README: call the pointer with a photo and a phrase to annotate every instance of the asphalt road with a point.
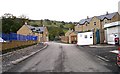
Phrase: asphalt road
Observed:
(103, 52)
(59, 57)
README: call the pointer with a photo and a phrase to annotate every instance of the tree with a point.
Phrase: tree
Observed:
(23, 16)
(61, 32)
(8, 15)
(61, 26)
(41, 22)
(11, 24)
(55, 32)
(63, 22)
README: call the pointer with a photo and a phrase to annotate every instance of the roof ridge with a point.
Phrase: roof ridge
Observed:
(108, 13)
(37, 29)
(108, 16)
(101, 17)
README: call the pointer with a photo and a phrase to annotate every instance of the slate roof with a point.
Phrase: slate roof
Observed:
(76, 32)
(68, 32)
(107, 16)
(101, 17)
(82, 31)
(85, 20)
(36, 29)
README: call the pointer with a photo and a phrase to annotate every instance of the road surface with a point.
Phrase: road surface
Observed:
(59, 57)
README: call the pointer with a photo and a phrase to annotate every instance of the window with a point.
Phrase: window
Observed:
(41, 32)
(80, 35)
(91, 36)
(38, 29)
(94, 23)
(86, 24)
(115, 35)
(85, 36)
(105, 22)
(33, 29)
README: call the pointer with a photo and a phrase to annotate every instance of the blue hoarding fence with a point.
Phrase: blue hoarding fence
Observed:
(14, 36)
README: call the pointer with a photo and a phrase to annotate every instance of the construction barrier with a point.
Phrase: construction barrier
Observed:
(18, 37)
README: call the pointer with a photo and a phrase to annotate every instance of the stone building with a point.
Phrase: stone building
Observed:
(96, 24)
(40, 32)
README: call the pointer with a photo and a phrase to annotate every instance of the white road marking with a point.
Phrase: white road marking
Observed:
(115, 51)
(103, 58)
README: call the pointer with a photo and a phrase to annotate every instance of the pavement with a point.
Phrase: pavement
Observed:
(12, 58)
(59, 57)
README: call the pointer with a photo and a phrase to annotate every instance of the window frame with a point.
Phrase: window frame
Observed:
(95, 23)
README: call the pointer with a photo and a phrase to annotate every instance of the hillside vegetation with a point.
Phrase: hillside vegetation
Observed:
(12, 23)
(55, 28)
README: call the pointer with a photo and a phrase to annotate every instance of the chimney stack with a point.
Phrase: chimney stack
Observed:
(25, 23)
(87, 17)
(107, 13)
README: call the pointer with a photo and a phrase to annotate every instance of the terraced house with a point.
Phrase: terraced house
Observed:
(40, 32)
(96, 24)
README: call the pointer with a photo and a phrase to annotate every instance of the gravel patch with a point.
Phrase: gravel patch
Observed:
(7, 58)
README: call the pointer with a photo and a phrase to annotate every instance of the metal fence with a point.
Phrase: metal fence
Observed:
(14, 36)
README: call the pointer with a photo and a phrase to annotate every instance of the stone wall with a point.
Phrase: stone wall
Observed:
(14, 44)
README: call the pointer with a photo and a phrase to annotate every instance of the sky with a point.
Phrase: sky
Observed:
(59, 10)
